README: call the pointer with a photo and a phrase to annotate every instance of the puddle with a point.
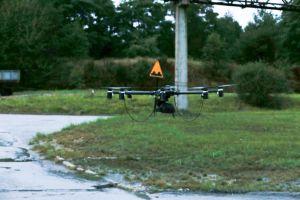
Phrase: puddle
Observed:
(14, 154)
(5, 168)
(4, 143)
(6, 139)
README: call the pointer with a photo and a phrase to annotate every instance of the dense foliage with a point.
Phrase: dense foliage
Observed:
(291, 36)
(34, 36)
(41, 36)
(258, 84)
(259, 41)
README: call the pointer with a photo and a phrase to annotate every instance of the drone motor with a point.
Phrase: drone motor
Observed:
(122, 94)
(109, 94)
(220, 92)
(204, 95)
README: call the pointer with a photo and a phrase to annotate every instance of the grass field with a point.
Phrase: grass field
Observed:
(232, 147)
(81, 102)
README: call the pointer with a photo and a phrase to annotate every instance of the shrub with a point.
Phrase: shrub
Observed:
(259, 84)
(90, 74)
(134, 72)
(296, 78)
(75, 79)
(218, 71)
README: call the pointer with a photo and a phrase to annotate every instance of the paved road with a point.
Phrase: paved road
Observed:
(24, 176)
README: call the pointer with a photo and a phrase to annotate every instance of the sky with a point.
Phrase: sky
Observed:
(243, 16)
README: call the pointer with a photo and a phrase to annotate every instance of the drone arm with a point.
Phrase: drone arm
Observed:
(203, 93)
(140, 92)
(128, 93)
(189, 92)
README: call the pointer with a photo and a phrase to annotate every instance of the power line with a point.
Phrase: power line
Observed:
(284, 5)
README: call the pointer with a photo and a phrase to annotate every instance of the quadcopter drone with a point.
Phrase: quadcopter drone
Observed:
(163, 94)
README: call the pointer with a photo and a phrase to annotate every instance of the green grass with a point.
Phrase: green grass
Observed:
(80, 102)
(72, 102)
(232, 147)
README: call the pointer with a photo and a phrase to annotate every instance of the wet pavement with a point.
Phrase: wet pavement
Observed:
(24, 176)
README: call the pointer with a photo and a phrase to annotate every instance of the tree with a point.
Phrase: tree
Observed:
(166, 35)
(215, 57)
(290, 46)
(214, 48)
(137, 22)
(145, 47)
(200, 19)
(202, 22)
(97, 19)
(229, 31)
(33, 38)
(259, 41)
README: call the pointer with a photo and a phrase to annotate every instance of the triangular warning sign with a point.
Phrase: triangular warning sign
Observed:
(156, 71)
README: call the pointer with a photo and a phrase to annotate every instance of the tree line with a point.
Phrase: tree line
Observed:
(36, 36)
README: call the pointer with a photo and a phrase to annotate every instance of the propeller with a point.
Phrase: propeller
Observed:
(206, 87)
(118, 88)
(169, 87)
(200, 88)
(227, 85)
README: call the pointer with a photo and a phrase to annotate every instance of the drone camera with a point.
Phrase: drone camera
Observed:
(109, 94)
(205, 95)
(163, 96)
(129, 96)
(220, 92)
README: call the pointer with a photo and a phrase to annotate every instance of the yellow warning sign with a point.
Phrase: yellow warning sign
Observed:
(156, 71)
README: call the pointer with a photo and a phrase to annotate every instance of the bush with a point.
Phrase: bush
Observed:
(259, 84)
(111, 72)
(88, 73)
(65, 75)
(296, 78)
(218, 71)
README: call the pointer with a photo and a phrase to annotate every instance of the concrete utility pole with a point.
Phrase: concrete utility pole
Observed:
(181, 54)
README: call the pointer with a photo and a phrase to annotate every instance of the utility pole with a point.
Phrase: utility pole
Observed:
(181, 52)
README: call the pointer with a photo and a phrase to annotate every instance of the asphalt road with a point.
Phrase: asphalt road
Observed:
(24, 176)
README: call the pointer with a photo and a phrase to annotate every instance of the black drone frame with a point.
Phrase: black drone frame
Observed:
(162, 95)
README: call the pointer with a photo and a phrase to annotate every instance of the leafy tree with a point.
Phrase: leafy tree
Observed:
(139, 21)
(33, 38)
(198, 28)
(229, 31)
(260, 39)
(214, 55)
(214, 48)
(290, 46)
(166, 35)
(97, 19)
(202, 22)
(145, 47)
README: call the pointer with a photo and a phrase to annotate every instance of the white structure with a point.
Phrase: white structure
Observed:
(181, 54)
